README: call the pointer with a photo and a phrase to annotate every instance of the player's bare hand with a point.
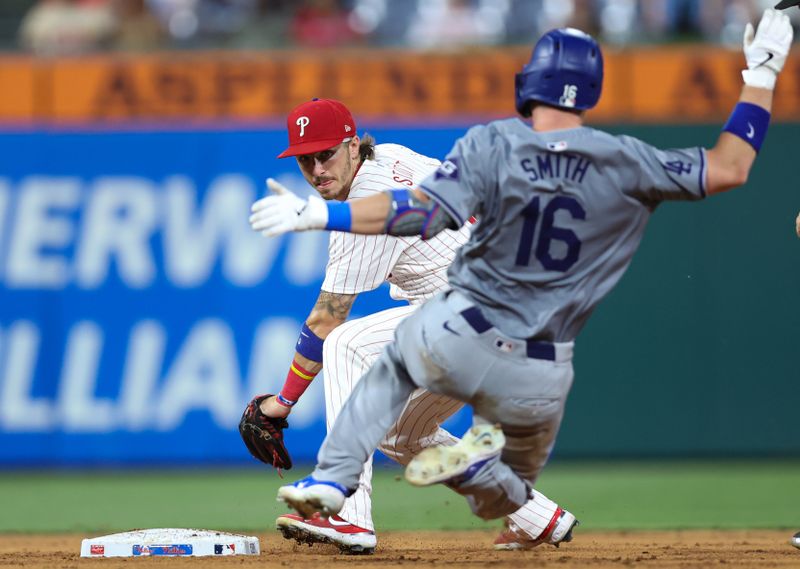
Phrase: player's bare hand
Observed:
(797, 224)
(282, 211)
(766, 49)
(271, 408)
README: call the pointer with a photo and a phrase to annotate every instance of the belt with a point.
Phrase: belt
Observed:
(535, 349)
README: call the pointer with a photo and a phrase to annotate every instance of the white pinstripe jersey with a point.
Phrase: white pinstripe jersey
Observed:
(416, 269)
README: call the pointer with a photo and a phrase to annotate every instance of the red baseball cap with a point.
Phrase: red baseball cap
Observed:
(318, 125)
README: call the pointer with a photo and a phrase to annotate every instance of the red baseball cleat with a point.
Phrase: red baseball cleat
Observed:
(347, 537)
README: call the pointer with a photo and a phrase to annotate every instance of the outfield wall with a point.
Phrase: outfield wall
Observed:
(138, 313)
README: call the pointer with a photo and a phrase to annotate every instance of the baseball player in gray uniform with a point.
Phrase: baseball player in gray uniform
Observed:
(561, 210)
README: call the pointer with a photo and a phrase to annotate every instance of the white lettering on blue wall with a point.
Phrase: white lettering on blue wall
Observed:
(66, 231)
(151, 392)
(41, 230)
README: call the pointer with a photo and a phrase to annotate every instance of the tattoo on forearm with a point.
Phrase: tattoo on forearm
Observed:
(337, 305)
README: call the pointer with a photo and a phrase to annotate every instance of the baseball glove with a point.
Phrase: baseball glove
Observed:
(263, 435)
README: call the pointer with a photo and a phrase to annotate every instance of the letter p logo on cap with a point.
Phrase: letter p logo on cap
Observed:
(302, 122)
(333, 122)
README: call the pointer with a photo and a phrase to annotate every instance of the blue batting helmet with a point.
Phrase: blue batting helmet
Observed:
(565, 71)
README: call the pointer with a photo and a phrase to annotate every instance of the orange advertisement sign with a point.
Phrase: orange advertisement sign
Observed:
(696, 84)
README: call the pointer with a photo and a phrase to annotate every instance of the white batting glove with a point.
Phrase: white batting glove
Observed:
(283, 211)
(766, 49)
(797, 224)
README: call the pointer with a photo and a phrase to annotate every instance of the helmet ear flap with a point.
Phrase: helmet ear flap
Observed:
(522, 102)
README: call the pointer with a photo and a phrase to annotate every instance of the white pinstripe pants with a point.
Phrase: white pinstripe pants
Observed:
(348, 352)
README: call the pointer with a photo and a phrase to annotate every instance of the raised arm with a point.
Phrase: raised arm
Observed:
(765, 50)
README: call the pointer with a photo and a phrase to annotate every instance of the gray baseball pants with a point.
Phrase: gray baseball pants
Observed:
(439, 349)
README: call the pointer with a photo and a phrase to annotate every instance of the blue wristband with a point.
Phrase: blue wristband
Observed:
(285, 402)
(339, 218)
(749, 122)
(309, 345)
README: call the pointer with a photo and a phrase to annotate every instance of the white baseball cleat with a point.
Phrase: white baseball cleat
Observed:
(347, 537)
(457, 463)
(309, 496)
(515, 538)
(795, 540)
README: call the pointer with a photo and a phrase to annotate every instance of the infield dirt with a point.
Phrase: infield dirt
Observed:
(675, 549)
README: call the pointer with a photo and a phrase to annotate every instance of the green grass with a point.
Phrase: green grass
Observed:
(757, 494)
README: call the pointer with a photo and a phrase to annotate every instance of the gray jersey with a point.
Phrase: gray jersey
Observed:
(560, 215)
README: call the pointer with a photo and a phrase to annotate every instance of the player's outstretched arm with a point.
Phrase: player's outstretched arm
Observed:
(396, 212)
(282, 212)
(765, 50)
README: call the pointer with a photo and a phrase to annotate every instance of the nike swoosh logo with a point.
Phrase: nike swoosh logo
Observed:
(770, 55)
(338, 523)
(446, 326)
(752, 132)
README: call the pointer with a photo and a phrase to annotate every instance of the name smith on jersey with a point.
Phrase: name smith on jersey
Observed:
(556, 165)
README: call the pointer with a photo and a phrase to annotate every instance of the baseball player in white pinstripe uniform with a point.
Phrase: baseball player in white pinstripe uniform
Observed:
(343, 167)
